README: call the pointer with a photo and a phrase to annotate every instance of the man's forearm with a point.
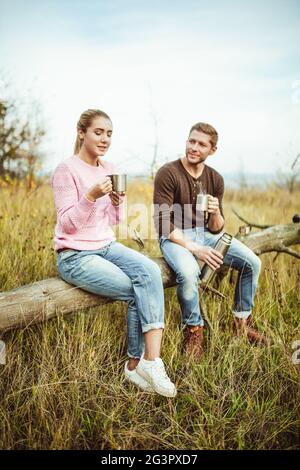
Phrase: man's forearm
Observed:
(203, 254)
(216, 222)
(178, 237)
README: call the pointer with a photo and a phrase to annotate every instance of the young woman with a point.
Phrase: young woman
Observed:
(88, 255)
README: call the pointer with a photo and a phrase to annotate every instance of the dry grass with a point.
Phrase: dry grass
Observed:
(63, 387)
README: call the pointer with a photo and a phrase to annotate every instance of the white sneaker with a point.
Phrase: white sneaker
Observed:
(137, 379)
(155, 374)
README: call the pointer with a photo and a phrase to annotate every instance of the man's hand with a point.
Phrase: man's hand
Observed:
(215, 221)
(116, 198)
(213, 205)
(208, 255)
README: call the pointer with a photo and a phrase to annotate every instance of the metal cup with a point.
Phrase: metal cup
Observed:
(202, 202)
(119, 183)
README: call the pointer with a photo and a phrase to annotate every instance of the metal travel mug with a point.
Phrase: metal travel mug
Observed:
(202, 202)
(119, 183)
(202, 205)
(222, 247)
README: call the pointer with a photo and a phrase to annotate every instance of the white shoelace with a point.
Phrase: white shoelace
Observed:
(160, 368)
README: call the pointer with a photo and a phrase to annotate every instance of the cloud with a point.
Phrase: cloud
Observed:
(184, 64)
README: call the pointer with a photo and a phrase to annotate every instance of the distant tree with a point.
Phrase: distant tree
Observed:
(154, 165)
(290, 179)
(241, 178)
(20, 139)
(155, 160)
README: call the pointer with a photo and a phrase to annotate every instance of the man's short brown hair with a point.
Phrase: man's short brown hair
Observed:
(206, 129)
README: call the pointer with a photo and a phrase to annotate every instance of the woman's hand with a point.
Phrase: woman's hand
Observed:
(100, 189)
(116, 198)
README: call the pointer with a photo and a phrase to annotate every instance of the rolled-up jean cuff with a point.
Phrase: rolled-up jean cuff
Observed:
(244, 314)
(196, 324)
(152, 326)
(133, 356)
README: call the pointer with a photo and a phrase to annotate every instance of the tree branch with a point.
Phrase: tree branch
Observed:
(290, 252)
(251, 224)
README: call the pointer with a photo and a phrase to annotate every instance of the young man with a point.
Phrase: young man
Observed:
(185, 237)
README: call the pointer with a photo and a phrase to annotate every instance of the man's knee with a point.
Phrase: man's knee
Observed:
(256, 263)
(252, 263)
(242, 257)
(188, 274)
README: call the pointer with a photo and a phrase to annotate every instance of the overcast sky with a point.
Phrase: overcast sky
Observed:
(234, 64)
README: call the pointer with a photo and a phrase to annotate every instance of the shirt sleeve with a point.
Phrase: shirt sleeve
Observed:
(72, 212)
(219, 193)
(163, 201)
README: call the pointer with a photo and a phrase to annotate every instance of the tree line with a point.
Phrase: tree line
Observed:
(20, 140)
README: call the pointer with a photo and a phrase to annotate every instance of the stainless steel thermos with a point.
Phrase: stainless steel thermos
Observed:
(222, 247)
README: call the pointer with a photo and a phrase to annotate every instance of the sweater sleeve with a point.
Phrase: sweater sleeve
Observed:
(115, 213)
(163, 200)
(72, 212)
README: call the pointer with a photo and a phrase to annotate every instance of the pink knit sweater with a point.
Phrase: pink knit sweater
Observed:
(82, 224)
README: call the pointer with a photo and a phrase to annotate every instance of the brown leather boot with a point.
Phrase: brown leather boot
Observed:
(193, 341)
(244, 326)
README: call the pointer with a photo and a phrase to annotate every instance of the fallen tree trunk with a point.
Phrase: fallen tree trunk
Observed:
(47, 298)
(276, 238)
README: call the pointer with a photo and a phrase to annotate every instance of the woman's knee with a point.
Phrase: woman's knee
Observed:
(151, 268)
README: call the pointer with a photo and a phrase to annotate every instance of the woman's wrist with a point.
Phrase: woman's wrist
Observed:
(90, 198)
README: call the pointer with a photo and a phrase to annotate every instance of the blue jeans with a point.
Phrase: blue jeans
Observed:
(187, 271)
(120, 273)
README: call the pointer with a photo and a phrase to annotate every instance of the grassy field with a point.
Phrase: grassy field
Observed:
(62, 386)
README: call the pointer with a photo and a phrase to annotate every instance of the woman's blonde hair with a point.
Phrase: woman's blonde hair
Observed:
(85, 121)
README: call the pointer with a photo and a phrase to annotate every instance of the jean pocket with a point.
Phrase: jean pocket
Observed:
(66, 254)
(162, 240)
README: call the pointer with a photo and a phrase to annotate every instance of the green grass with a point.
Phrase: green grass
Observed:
(63, 387)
